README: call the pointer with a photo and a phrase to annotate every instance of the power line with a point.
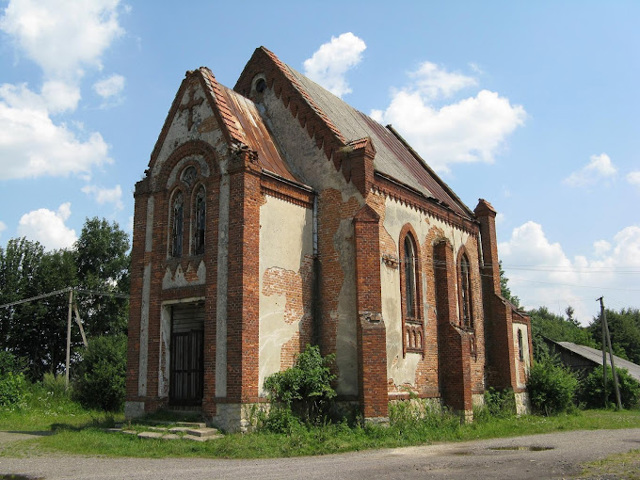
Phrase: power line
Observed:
(65, 290)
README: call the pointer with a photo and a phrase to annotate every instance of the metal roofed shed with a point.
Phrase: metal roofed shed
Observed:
(582, 358)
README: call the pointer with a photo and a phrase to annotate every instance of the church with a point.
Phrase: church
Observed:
(274, 215)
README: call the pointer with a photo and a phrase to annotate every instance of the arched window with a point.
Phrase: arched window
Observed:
(409, 278)
(520, 346)
(410, 295)
(466, 319)
(177, 225)
(199, 224)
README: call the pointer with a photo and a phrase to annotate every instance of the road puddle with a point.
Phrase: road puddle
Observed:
(528, 448)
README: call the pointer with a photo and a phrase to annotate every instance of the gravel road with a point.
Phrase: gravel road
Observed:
(556, 455)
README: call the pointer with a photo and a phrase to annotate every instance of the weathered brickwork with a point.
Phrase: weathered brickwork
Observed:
(308, 238)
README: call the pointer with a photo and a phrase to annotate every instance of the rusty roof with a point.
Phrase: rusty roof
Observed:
(394, 157)
(255, 134)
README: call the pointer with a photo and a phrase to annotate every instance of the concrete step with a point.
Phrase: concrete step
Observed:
(203, 432)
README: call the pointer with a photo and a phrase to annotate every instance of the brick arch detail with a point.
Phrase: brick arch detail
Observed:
(187, 149)
(413, 330)
(462, 252)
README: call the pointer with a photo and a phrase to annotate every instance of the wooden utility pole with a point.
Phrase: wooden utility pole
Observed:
(605, 330)
(67, 364)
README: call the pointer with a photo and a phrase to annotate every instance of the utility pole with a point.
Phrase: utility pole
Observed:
(605, 326)
(67, 364)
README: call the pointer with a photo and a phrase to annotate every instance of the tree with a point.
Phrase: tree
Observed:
(34, 331)
(624, 327)
(37, 331)
(103, 265)
(545, 324)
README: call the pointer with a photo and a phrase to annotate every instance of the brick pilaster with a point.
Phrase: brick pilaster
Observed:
(372, 346)
(454, 344)
(243, 299)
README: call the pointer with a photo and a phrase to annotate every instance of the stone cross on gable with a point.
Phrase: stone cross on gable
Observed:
(189, 106)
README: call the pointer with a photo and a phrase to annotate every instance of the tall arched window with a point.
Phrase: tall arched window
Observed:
(520, 346)
(409, 278)
(466, 319)
(199, 224)
(177, 225)
(413, 328)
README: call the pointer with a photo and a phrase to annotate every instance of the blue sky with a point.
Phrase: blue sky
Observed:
(531, 105)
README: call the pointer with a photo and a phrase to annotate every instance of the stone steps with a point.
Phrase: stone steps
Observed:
(195, 431)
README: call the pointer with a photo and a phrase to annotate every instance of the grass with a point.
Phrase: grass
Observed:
(79, 431)
(622, 466)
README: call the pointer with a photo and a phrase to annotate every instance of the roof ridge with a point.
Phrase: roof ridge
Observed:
(214, 92)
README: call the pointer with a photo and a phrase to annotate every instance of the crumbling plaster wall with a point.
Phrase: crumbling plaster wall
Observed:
(338, 203)
(286, 261)
(413, 370)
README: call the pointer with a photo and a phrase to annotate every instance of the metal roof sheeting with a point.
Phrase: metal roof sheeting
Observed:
(393, 157)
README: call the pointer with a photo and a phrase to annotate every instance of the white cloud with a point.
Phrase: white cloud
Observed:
(32, 145)
(470, 130)
(540, 272)
(63, 36)
(634, 178)
(599, 167)
(330, 62)
(110, 86)
(434, 82)
(59, 96)
(105, 195)
(48, 227)
(3, 227)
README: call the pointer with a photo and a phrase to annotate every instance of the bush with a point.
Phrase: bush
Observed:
(551, 387)
(591, 391)
(101, 374)
(499, 403)
(304, 389)
(12, 388)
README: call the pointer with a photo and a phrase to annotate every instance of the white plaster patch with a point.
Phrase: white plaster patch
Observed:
(144, 331)
(221, 294)
(286, 242)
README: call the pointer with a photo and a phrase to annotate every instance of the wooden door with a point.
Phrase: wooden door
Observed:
(187, 356)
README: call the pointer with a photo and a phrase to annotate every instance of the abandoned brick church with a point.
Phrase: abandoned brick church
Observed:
(275, 215)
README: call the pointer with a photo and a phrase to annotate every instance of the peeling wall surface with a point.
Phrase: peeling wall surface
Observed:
(286, 261)
(411, 369)
(338, 202)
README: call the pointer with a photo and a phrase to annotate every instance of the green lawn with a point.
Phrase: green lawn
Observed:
(78, 431)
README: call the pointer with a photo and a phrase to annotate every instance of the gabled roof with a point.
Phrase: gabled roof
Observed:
(595, 356)
(240, 121)
(334, 124)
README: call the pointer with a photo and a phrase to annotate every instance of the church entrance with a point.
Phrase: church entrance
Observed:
(187, 355)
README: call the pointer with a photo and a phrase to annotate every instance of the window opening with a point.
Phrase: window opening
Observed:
(200, 222)
(465, 292)
(520, 346)
(177, 225)
(412, 321)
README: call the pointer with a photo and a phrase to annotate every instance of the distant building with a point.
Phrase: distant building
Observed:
(584, 360)
(275, 215)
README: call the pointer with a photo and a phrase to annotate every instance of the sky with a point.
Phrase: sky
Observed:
(532, 106)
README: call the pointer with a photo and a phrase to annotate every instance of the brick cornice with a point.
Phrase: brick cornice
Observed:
(283, 189)
(404, 194)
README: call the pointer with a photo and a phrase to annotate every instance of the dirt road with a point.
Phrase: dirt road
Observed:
(556, 455)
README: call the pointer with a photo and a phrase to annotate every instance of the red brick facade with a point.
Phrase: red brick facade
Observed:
(400, 286)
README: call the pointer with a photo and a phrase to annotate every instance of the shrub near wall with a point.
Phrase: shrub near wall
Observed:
(551, 387)
(101, 374)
